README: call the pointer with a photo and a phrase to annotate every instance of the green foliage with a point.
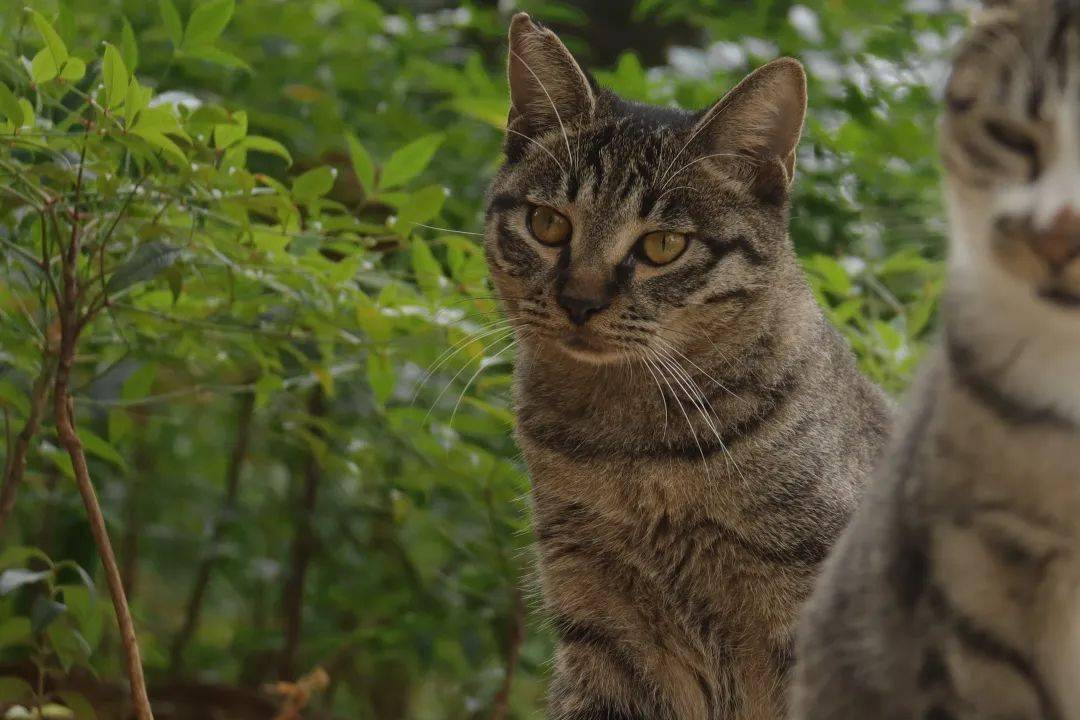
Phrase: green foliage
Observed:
(291, 377)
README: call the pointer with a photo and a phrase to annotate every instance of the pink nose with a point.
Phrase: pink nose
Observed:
(1059, 243)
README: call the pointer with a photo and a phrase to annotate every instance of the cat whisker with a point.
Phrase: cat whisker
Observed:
(485, 363)
(449, 230)
(671, 348)
(685, 167)
(539, 145)
(703, 406)
(458, 374)
(689, 424)
(487, 330)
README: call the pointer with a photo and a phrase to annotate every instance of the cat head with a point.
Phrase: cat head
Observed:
(1010, 144)
(613, 225)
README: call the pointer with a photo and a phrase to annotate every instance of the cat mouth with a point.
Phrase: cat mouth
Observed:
(1060, 297)
(586, 346)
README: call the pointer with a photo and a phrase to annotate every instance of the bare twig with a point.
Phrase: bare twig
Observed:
(228, 509)
(303, 542)
(515, 636)
(16, 461)
(70, 325)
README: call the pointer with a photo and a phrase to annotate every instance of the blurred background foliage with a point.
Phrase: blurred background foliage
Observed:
(292, 383)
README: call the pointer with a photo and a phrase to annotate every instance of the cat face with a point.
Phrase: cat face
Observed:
(1010, 143)
(614, 226)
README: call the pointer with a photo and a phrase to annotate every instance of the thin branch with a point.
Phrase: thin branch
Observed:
(64, 408)
(221, 523)
(303, 542)
(16, 459)
(515, 637)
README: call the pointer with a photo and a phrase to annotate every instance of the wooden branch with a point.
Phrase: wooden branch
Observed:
(228, 509)
(64, 409)
(16, 461)
(303, 545)
(515, 636)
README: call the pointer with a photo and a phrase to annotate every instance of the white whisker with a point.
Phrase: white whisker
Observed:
(558, 117)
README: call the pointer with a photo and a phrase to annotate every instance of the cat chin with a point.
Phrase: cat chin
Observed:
(586, 352)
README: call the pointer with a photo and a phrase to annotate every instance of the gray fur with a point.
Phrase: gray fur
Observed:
(955, 592)
(697, 447)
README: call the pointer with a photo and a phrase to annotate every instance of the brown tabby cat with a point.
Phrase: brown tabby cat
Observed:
(955, 592)
(696, 431)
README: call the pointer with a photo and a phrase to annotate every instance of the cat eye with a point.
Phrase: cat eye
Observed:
(548, 226)
(661, 247)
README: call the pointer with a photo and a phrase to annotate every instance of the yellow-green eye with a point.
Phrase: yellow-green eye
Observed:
(660, 248)
(549, 226)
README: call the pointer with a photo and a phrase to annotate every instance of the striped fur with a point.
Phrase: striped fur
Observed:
(698, 444)
(955, 592)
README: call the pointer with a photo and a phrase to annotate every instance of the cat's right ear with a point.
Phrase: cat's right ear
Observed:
(548, 89)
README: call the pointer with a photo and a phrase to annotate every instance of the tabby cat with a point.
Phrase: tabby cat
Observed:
(955, 593)
(695, 430)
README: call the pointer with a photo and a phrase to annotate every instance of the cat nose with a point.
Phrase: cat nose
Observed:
(580, 309)
(1060, 242)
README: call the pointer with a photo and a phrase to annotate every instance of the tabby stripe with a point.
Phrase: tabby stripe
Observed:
(721, 248)
(600, 710)
(590, 635)
(933, 672)
(1010, 409)
(514, 250)
(743, 295)
(504, 202)
(981, 641)
(1017, 143)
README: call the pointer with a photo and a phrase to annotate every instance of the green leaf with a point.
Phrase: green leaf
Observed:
(13, 689)
(419, 207)
(362, 164)
(227, 134)
(146, 262)
(429, 273)
(129, 46)
(74, 70)
(9, 106)
(409, 161)
(259, 143)
(207, 22)
(15, 631)
(20, 555)
(135, 100)
(116, 77)
(78, 704)
(69, 644)
(381, 375)
(218, 57)
(313, 184)
(99, 447)
(11, 580)
(173, 25)
(44, 612)
(83, 610)
(56, 47)
(162, 142)
(43, 68)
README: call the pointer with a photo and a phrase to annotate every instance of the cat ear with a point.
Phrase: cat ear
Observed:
(548, 89)
(760, 120)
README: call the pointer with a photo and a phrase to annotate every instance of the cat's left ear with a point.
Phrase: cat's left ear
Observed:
(548, 89)
(760, 121)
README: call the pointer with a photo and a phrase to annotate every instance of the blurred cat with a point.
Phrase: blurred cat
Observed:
(955, 593)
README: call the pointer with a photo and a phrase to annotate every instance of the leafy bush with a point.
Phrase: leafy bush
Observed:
(255, 226)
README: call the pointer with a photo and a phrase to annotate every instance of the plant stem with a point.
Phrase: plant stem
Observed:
(303, 542)
(16, 464)
(228, 510)
(514, 639)
(63, 407)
